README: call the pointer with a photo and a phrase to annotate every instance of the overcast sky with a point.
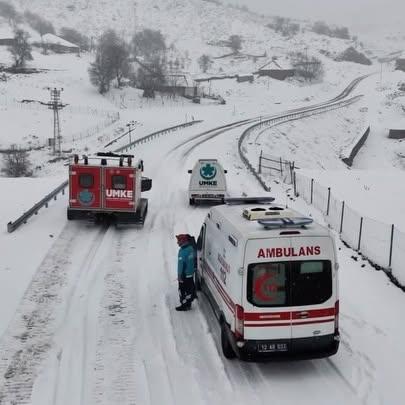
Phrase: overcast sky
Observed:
(350, 12)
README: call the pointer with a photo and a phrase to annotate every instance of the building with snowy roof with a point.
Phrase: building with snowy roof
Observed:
(275, 70)
(57, 44)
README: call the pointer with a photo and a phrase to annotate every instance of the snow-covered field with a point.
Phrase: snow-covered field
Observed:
(87, 312)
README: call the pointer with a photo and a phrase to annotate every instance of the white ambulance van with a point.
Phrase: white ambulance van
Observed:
(207, 182)
(272, 278)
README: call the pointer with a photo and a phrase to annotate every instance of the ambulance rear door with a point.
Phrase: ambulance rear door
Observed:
(313, 286)
(265, 291)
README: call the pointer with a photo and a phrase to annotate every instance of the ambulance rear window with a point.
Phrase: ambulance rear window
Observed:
(293, 283)
(86, 180)
(119, 182)
(267, 284)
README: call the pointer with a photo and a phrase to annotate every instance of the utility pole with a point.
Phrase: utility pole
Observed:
(131, 126)
(56, 105)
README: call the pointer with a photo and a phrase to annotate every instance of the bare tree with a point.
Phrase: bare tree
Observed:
(8, 11)
(151, 76)
(235, 43)
(205, 62)
(21, 48)
(16, 163)
(308, 67)
(39, 24)
(112, 61)
(148, 43)
(101, 73)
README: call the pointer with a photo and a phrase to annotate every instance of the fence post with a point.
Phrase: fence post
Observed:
(341, 218)
(312, 190)
(360, 232)
(260, 161)
(295, 183)
(392, 241)
(328, 206)
(281, 166)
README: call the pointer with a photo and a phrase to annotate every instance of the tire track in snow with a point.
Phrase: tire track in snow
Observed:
(30, 336)
(114, 368)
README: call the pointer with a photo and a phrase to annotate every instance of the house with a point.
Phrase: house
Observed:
(181, 84)
(274, 70)
(400, 64)
(57, 44)
(242, 78)
(6, 36)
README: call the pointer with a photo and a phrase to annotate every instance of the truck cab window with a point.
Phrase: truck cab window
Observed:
(86, 180)
(119, 182)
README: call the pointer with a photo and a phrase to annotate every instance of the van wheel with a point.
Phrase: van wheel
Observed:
(192, 202)
(226, 344)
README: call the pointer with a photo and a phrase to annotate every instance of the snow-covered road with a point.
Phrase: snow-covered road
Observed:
(98, 326)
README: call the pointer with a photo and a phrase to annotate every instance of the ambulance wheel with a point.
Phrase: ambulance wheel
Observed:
(192, 201)
(226, 344)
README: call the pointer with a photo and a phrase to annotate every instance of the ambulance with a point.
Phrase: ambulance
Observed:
(207, 182)
(107, 186)
(271, 276)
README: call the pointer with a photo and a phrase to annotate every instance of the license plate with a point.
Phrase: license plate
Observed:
(272, 347)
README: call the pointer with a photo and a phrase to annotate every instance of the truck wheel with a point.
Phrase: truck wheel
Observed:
(69, 215)
(192, 202)
(226, 344)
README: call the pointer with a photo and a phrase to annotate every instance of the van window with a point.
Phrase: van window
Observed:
(311, 282)
(281, 284)
(200, 240)
(119, 182)
(86, 180)
(267, 284)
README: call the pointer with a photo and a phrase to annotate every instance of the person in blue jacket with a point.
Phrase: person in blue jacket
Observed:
(186, 266)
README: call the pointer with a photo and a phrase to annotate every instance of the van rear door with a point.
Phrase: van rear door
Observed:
(265, 291)
(313, 287)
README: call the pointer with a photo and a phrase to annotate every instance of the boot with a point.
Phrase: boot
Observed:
(183, 307)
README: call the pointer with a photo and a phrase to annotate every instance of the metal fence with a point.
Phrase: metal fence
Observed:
(381, 243)
(92, 131)
(276, 167)
(154, 135)
(13, 225)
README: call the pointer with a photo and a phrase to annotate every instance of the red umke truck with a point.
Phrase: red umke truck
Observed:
(107, 186)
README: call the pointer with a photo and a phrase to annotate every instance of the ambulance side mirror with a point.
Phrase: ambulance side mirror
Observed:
(190, 171)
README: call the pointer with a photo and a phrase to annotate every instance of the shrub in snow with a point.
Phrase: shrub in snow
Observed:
(306, 66)
(351, 55)
(205, 62)
(321, 28)
(16, 163)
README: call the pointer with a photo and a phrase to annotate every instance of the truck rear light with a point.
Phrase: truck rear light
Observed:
(337, 316)
(239, 320)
